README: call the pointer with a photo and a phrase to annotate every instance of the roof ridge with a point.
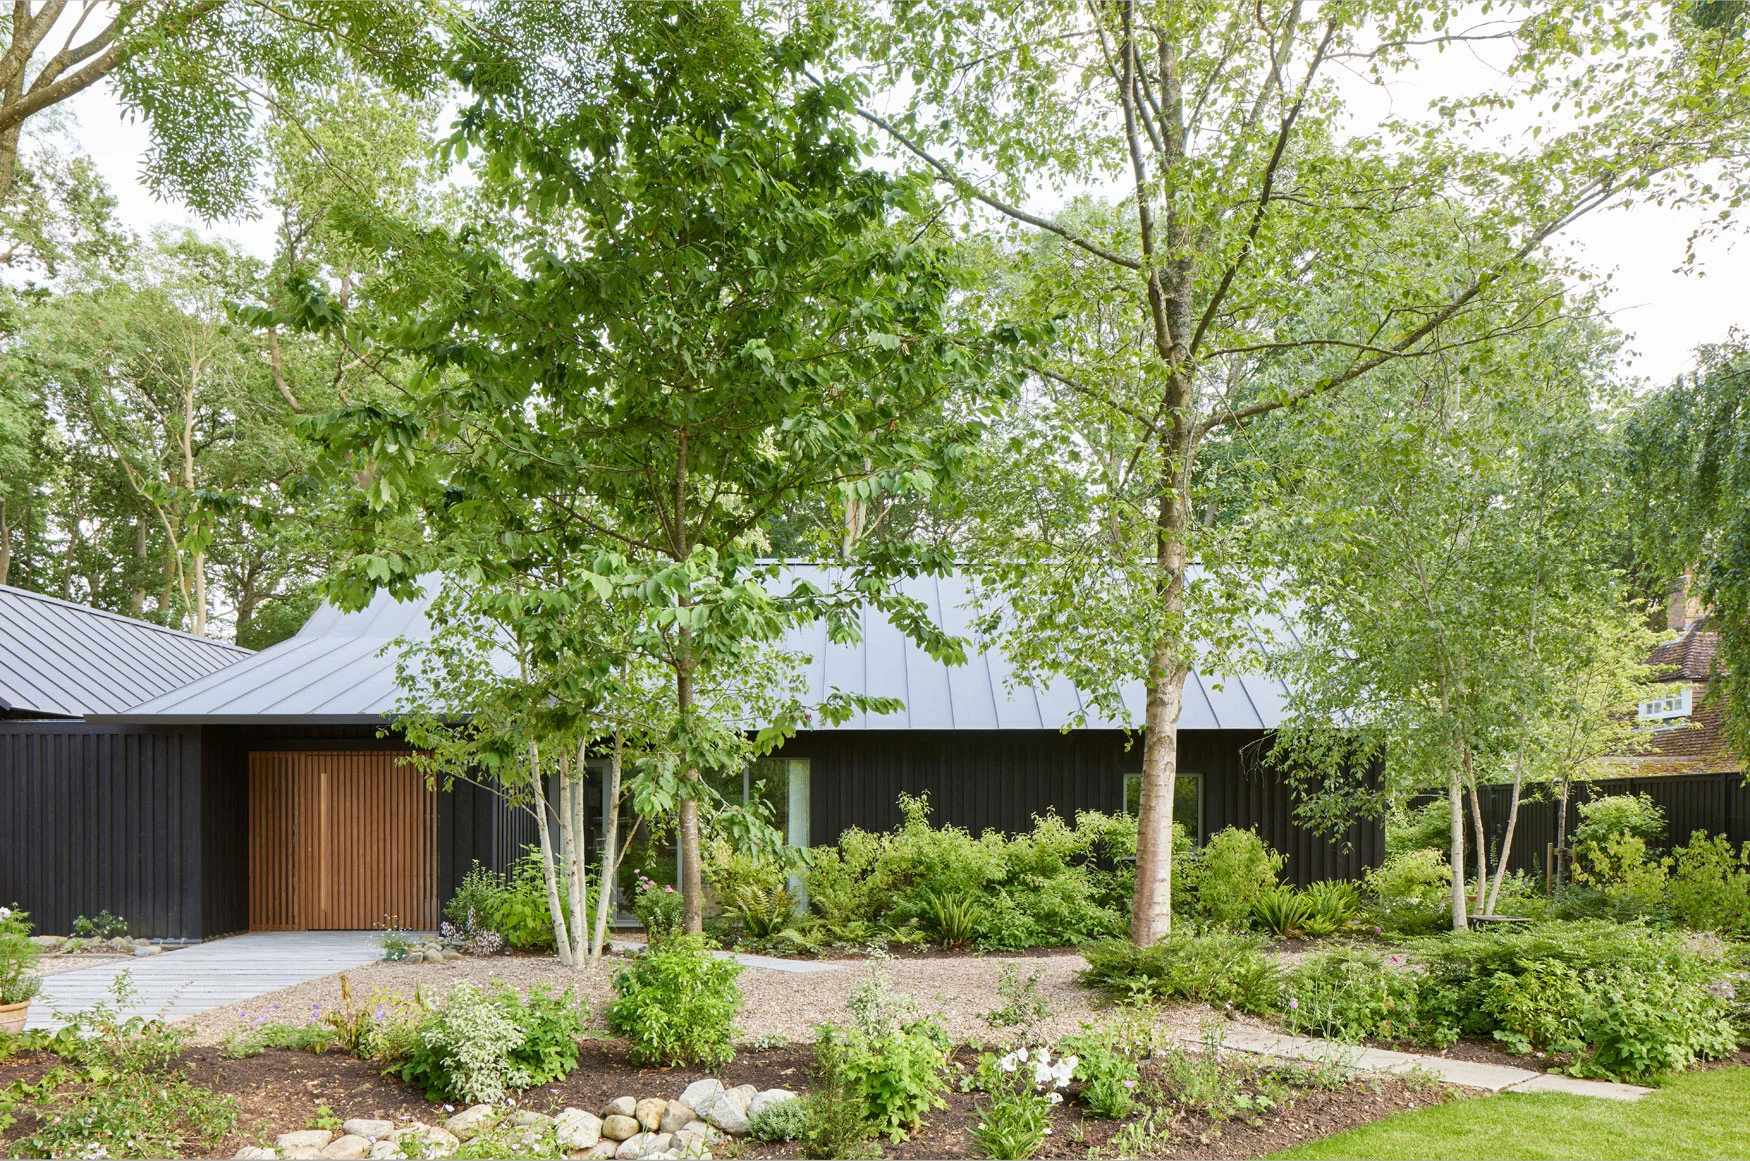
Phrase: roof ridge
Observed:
(92, 609)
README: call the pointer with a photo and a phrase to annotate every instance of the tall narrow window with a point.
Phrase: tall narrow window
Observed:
(1187, 802)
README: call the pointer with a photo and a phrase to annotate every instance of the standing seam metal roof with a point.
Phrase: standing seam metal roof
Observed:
(59, 659)
(340, 668)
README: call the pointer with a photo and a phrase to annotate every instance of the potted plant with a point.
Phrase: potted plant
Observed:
(18, 979)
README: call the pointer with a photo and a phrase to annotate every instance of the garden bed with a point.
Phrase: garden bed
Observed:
(277, 1091)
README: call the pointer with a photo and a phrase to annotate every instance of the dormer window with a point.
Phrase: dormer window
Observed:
(1676, 704)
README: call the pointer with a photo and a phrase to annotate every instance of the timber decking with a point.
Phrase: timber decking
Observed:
(191, 980)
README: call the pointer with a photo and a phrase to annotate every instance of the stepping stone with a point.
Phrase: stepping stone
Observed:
(1469, 1073)
(1574, 1086)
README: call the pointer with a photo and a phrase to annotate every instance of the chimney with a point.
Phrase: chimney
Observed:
(1681, 609)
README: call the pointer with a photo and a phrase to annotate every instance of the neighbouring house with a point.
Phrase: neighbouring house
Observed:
(303, 815)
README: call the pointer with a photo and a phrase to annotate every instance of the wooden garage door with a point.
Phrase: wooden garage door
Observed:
(340, 841)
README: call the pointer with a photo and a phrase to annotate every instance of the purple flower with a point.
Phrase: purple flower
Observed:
(1130, 1084)
(1293, 1003)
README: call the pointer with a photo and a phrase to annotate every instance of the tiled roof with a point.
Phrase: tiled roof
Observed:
(341, 668)
(1697, 744)
(1686, 658)
(58, 659)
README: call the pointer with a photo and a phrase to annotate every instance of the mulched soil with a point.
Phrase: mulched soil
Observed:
(280, 1090)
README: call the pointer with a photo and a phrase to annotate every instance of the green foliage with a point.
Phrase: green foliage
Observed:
(1054, 884)
(1355, 996)
(677, 1003)
(1023, 1007)
(1231, 873)
(1108, 1075)
(657, 906)
(478, 1046)
(520, 913)
(838, 1111)
(1429, 826)
(784, 1121)
(898, 1071)
(314, 1038)
(1022, 1088)
(18, 958)
(1333, 902)
(1218, 967)
(476, 898)
(1709, 885)
(105, 926)
(1283, 912)
(1602, 819)
(1619, 865)
(1409, 891)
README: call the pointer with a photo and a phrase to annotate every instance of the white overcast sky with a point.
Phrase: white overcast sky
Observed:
(1665, 311)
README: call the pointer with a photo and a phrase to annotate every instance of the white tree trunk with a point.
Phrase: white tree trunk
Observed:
(555, 909)
(611, 855)
(1455, 799)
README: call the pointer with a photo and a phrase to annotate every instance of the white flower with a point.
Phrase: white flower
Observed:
(5, 914)
(1055, 1098)
(1042, 1073)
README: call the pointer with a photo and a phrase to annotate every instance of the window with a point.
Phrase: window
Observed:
(1187, 802)
(1677, 704)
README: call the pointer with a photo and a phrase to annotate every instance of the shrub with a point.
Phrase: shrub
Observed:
(1602, 819)
(657, 907)
(522, 914)
(105, 926)
(1354, 996)
(1709, 885)
(953, 920)
(1428, 827)
(898, 1073)
(1334, 903)
(1283, 912)
(1217, 967)
(1619, 865)
(1410, 891)
(784, 1121)
(677, 1003)
(476, 899)
(1231, 873)
(1109, 1076)
(476, 1046)
(18, 958)
(1023, 1088)
(838, 1112)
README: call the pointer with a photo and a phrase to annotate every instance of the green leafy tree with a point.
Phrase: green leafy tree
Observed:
(1271, 256)
(687, 305)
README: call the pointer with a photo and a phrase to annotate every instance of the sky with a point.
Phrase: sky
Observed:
(1663, 309)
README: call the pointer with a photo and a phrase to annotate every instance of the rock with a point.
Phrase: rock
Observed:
(692, 1144)
(631, 1147)
(148, 949)
(433, 956)
(52, 943)
(577, 1129)
(675, 1116)
(470, 1121)
(741, 1096)
(350, 1147)
(369, 1129)
(621, 1107)
(702, 1094)
(766, 1099)
(430, 1140)
(724, 1115)
(616, 1127)
(303, 1139)
(702, 1128)
(304, 1153)
(648, 1112)
(386, 1151)
(529, 1119)
(254, 1153)
(451, 953)
(603, 1149)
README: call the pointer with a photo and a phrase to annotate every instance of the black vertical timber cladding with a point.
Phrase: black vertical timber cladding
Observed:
(102, 817)
(1000, 780)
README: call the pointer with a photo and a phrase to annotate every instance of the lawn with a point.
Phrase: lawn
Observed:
(1698, 1115)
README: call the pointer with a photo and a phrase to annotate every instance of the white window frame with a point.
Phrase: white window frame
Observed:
(1668, 707)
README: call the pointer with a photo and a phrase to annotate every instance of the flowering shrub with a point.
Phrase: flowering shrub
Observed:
(471, 936)
(1023, 1086)
(657, 907)
(18, 958)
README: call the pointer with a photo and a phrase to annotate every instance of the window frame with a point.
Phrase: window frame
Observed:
(1202, 799)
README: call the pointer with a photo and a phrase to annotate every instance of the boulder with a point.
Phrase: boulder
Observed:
(350, 1147)
(372, 1130)
(470, 1121)
(675, 1116)
(529, 1119)
(430, 1140)
(386, 1151)
(766, 1099)
(148, 949)
(302, 1153)
(648, 1112)
(433, 956)
(702, 1094)
(253, 1152)
(52, 943)
(602, 1149)
(724, 1115)
(616, 1127)
(700, 1127)
(303, 1139)
(621, 1107)
(741, 1096)
(631, 1147)
(577, 1129)
(451, 953)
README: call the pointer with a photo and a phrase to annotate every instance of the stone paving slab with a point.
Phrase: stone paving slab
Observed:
(1575, 1086)
(191, 980)
(1469, 1073)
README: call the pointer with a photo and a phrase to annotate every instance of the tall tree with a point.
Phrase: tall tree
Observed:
(1275, 256)
(687, 306)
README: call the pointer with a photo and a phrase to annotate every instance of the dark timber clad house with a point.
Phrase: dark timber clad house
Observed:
(293, 813)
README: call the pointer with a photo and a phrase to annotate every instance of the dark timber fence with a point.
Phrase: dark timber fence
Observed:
(1715, 803)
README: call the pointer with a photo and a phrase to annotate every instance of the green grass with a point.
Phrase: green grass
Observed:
(1697, 1115)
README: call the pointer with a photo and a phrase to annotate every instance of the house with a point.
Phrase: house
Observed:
(1688, 727)
(305, 814)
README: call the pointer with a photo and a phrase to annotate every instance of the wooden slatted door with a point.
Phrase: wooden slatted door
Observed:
(340, 841)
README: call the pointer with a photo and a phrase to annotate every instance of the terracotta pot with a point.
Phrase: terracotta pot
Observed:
(12, 1017)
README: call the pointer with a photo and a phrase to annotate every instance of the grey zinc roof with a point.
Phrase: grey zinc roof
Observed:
(339, 669)
(59, 659)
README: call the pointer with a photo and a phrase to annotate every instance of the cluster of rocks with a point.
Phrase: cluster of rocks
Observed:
(72, 944)
(647, 1129)
(429, 952)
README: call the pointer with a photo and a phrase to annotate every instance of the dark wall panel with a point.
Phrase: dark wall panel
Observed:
(99, 817)
(999, 781)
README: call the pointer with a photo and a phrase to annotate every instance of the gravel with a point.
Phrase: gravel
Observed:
(51, 965)
(778, 1003)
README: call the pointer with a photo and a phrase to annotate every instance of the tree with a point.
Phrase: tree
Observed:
(686, 305)
(1272, 256)
(1689, 456)
(1457, 615)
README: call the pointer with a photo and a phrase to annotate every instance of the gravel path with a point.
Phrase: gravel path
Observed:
(961, 989)
(51, 965)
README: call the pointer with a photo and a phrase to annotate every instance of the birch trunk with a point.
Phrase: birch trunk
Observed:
(1455, 800)
(1507, 841)
(574, 777)
(611, 855)
(555, 909)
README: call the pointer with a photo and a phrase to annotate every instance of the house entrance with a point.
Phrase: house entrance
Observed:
(340, 841)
